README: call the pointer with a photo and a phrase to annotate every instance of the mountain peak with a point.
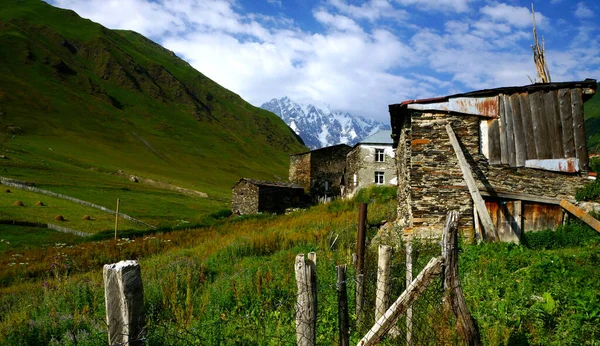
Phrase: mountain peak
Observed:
(323, 127)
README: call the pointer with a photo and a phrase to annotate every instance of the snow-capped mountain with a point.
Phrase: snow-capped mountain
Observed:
(320, 128)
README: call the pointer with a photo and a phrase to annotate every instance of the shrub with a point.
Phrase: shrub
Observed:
(376, 194)
(589, 192)
(575, 233)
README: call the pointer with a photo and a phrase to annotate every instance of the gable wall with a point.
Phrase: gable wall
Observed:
(244, 198)
(435, 179)
(327, 164)
(361, 161)
(300, 170)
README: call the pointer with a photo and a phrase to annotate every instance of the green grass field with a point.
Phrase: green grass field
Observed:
(21, 238)
(233, 283)
(71, 212)
(80, 103)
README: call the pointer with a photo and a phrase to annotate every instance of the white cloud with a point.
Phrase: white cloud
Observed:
(370, 10)
(337, 22)
(583, 11)
(514, 15)
(361, 57)
(439, 5)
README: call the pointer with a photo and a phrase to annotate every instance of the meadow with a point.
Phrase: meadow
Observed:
(231, 281)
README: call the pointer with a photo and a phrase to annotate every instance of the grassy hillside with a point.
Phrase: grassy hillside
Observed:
(592, 123)
(233, 284)
(79, 102)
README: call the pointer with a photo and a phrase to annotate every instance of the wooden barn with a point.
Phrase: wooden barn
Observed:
(250, 196)
(523, 147)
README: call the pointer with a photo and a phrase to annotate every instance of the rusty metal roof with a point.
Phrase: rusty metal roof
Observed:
(586, 84)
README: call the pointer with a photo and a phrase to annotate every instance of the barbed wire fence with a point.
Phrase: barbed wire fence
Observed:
(399, 306)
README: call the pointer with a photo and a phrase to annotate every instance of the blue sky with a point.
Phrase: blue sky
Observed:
(361, 56)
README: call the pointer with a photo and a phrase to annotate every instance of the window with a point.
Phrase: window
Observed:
(354, 179)
(379, 155)
(379, 178)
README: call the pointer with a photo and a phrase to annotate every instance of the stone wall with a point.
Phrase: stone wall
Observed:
(436, 182)
(300, 170)
(244, 198)
(327, 165)
(360, 163)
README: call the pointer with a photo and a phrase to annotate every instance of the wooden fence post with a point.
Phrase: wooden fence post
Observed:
(342, 294)
(453, 295)
(117, 219)
(386, 322)
(409, 279)
(360, 262)
(124, 297)
(306, 309)
(383, 280)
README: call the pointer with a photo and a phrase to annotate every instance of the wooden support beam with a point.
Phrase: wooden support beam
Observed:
(581, 214)
(522, 197)
(412, 292)
(490, 230)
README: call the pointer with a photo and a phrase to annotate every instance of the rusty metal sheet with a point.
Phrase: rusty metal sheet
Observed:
(481, 106)
(568, 165)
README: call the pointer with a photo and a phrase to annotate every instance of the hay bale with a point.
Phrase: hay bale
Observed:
(59, 218)
(7, 190)
(39, 203)
(86, 217)
(19, 204)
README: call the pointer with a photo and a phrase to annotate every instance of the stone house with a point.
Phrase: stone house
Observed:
(371, 161)
(524, 146)
(320, 171)
(257, 196)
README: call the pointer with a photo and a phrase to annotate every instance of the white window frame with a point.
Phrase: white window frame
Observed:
(379, 155)
(379, 178)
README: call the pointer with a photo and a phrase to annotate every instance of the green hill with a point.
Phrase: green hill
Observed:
(592, 123)
(79, 103)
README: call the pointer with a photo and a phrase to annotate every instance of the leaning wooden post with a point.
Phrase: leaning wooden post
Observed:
(409, 279)
(343, 325)
(453, 295)
(124, 297)
(360, 262)
(116, 219)
(486, 220)
(383, 280)
(387, 321)
(306, 302)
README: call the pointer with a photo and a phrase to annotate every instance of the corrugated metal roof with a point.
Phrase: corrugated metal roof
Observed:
(379, 137)
(588, 84)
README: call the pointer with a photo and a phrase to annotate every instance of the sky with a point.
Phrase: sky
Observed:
(361, 56)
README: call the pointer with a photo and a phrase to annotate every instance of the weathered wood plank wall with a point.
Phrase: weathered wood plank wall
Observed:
(538, 126)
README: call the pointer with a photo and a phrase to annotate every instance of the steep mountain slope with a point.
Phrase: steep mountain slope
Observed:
(320, 128)
(592, 123)
(77, 98)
